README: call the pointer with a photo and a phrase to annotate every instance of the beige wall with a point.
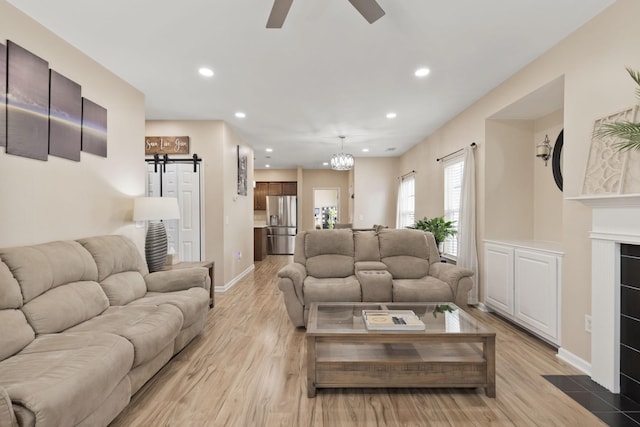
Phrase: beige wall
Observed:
(547, 197)
(509, 179)
(276, 175)
(228, 218)
(62, 199)
(592, 61)
(319, 178)
(375, 188)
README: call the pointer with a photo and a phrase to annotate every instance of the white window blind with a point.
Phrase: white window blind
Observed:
(452, 185)
(407, 201)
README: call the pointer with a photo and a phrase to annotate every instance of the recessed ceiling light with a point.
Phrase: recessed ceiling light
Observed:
(207, 72)
(269, 150)
(365, 150)
(240, 115)
(391, 115)
(422, 72)
(267, 166)
(325, 164)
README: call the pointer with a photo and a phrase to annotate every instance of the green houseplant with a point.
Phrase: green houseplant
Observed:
(440, 228)
(628, 132)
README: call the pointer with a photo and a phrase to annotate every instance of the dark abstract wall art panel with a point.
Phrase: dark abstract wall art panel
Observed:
(65, 117)
(94, 128)
(3, 95)
(27, 103)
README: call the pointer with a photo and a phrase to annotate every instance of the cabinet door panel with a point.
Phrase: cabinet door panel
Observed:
(536, 296)
(275, 189)
(499, 277)
(290, 188)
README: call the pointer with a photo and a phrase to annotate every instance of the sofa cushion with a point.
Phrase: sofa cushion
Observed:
(191, 302)
(65, 306)
(345, 289)
(406, 267)
(15, 332)
(149, 328)
(427, 289)
(323, 266)
(322, 242)
(114, 254)
(10, 294)
(403, 242)
(122, 288)
(63, 378)
(42, 267)
(366, 246)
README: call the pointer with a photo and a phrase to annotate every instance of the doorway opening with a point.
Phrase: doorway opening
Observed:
(326, 207)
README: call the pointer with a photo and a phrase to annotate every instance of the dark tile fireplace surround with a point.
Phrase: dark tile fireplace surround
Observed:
(630, 321)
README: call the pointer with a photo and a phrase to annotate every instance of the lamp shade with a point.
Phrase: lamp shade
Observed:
(155, 208)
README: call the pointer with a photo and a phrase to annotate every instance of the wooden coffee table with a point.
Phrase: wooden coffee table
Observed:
(455, 350)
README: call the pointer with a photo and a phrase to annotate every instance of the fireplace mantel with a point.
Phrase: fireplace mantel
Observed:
(609, 200)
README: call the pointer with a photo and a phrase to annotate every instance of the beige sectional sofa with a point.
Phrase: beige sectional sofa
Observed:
(83, 325)
(383, 266)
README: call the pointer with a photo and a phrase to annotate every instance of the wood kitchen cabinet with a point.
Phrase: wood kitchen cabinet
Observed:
(289, 188)
(259, 243)
(264, 189)
(260, 196)
(275, 189)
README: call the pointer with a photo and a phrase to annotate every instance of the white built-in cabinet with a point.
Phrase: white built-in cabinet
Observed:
(523, 283)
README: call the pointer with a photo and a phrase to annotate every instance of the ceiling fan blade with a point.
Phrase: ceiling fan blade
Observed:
(370, 9)
(279, 12)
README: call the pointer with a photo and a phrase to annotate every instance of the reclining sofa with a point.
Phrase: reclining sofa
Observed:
(351, 266)
(83, 325)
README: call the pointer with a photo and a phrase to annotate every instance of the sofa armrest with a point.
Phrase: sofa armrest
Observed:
(454, 276)
(178, 280)
(296, 273)
(7, 416)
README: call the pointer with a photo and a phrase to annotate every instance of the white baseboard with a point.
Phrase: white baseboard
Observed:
(235, 280)
(480, 306)
(575, 361)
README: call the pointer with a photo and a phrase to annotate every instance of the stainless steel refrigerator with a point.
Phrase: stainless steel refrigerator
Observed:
(282, 224)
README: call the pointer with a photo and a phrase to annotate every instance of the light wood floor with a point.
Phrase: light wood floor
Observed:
(248, 369)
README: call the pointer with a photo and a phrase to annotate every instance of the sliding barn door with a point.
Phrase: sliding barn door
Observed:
(180, 181)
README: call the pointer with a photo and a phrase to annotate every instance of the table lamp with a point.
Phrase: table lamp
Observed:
(154, 210)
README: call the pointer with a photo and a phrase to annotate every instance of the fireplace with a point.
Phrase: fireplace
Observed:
(615, 230)
(630, 321)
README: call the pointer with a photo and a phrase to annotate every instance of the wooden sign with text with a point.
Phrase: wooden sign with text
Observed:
(166, 145)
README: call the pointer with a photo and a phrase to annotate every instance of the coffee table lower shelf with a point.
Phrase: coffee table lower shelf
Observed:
(343, 364)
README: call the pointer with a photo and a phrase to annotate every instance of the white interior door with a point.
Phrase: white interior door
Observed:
(180, 181)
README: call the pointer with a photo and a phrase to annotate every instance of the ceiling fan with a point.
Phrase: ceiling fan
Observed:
(369, 9)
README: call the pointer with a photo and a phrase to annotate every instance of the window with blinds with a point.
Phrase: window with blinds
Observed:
(407, 201)
(452, 188)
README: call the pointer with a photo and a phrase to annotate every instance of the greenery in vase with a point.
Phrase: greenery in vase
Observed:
(441, 308)
(628, 132)
(440, 228)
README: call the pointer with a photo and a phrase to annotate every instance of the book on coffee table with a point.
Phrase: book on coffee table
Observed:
(392, 320)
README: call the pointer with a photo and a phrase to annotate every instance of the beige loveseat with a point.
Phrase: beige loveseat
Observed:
(383, 266)
(83, 325)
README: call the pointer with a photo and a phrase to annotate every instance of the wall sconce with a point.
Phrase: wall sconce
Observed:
(543, 150)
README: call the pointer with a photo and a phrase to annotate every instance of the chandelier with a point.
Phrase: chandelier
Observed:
(342, 161)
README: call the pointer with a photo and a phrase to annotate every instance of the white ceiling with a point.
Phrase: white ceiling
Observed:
(326, 73)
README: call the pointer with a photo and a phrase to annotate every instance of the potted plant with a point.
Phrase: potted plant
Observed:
(440, 229)
(628, 132)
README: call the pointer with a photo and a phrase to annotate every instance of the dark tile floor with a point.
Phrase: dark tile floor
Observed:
(614, 409)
